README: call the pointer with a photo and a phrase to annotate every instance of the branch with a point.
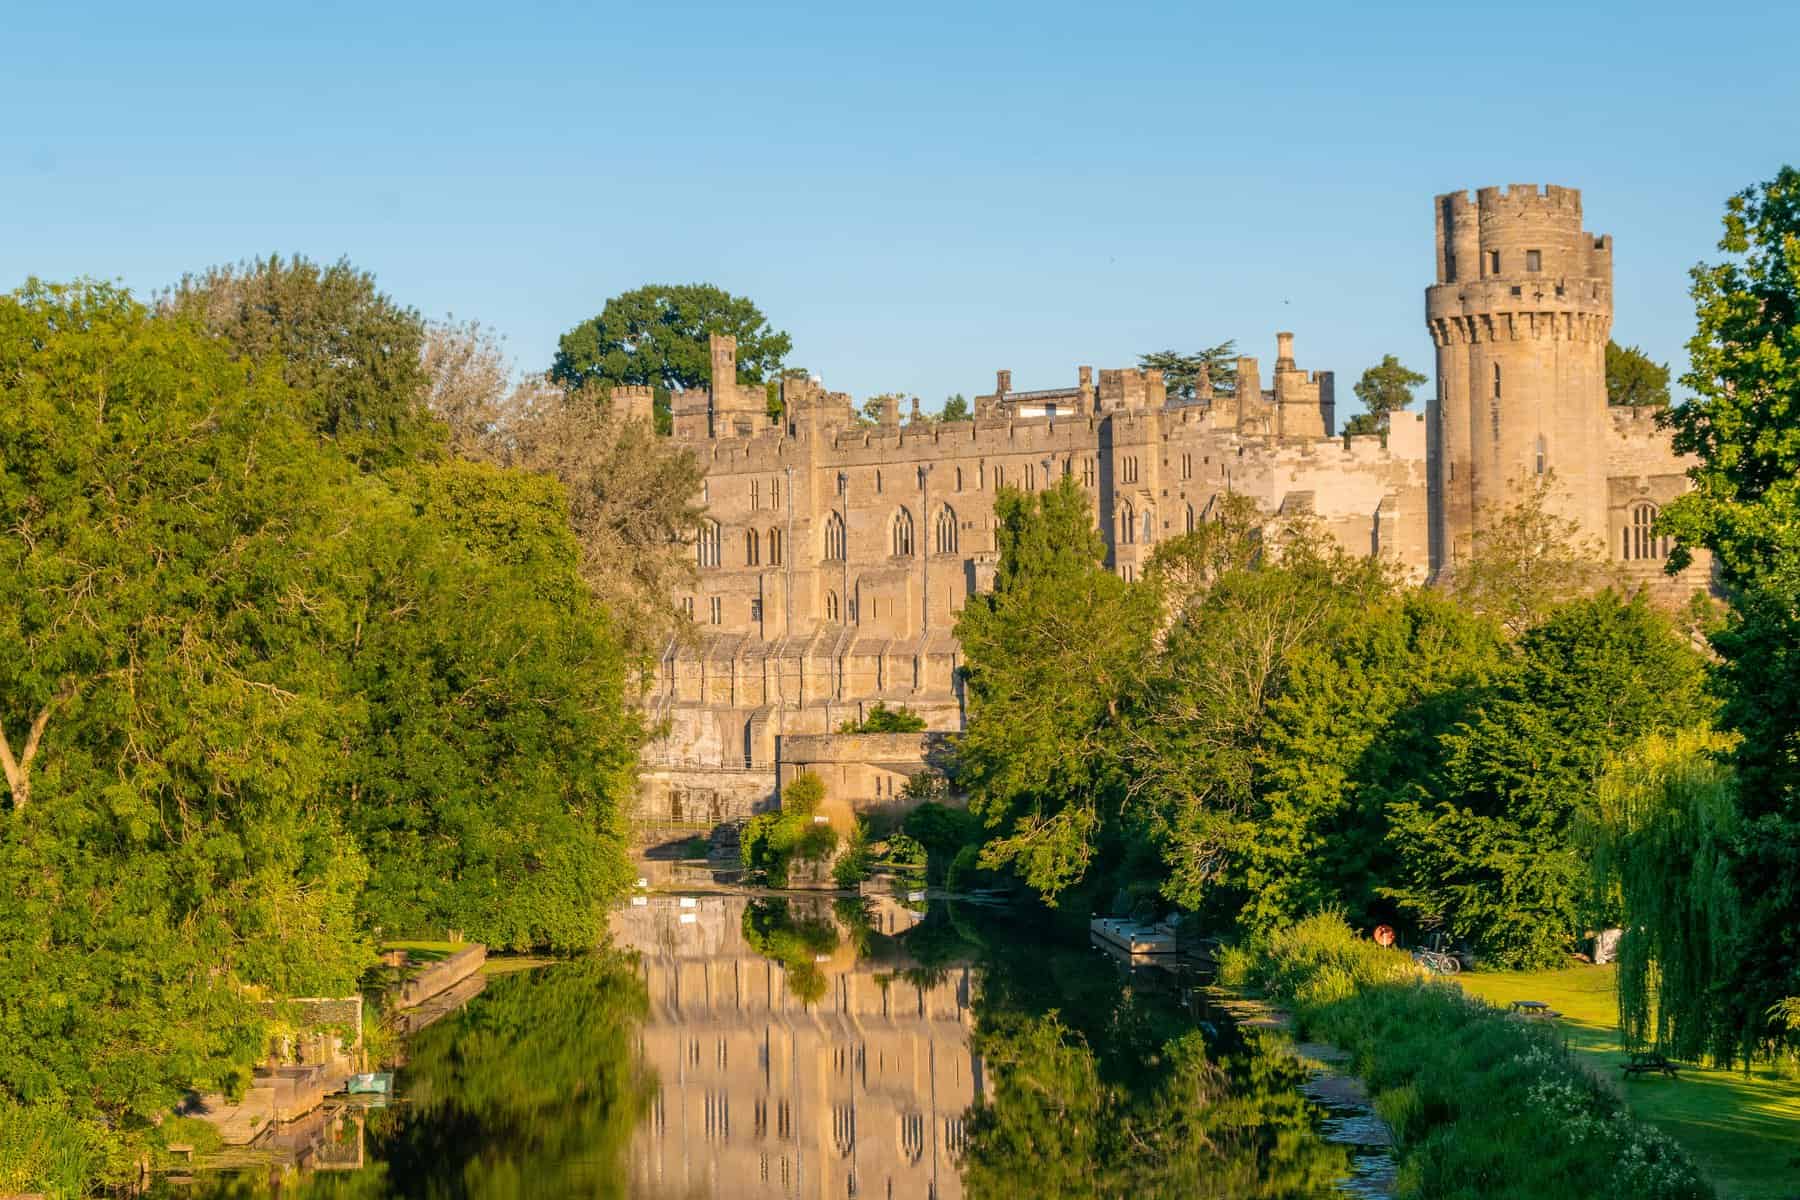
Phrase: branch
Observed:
(18, 771)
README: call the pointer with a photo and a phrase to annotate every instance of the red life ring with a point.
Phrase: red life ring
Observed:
(1384, 935)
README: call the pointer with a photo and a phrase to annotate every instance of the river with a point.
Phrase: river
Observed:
(738, 1046)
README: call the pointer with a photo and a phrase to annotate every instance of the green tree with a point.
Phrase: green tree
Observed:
(1384, 388)
(171, 537)
(331, 334)
(1634, 380)
(1350, 729)
(882, 719)
(956, 408)
(1529, 561)
(1743, 424)
(1049, 656)
(1492, 851)
(659, 336)
(1182, 371)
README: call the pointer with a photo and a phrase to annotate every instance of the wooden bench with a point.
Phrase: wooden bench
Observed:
(1644, 1064)
(1535, 1010)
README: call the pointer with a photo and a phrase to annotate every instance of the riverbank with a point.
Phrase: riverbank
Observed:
(1481, 1104)
(1743, 1128)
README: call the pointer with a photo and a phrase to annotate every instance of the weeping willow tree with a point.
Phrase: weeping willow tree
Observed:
(1667, 820)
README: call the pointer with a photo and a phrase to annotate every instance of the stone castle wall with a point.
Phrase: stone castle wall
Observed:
(838, 553)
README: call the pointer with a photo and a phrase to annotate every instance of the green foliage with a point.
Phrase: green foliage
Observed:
(1353, 729)
(45, 1150)
(1384, 388)
(352, 353)
(1744, 425)
(659, 336)
(942, 832)
(1632, 379)
(771, 842)
(882, 719)
(1049, 656)
(1182, 371)
(1529, 561)
(956, 408)
(1666, 828)
(852, 866)
(262, 700)
(1487, 1106)
(1491, 850)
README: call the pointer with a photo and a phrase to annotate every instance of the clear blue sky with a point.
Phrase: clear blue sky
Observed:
(918, 193)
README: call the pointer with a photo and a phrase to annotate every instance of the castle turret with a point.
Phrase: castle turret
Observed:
(1520, 315)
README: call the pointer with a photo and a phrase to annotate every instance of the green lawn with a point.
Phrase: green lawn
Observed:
(1744, 1130)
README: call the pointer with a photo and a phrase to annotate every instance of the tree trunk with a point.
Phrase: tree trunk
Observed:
(18, 771)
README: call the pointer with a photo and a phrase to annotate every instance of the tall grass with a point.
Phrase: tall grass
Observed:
(1483, 1105)
(45, 1150)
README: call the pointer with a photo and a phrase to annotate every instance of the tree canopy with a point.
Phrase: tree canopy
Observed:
(659, 336)
(1384, 388)
(1182, 369)
(1633, 379)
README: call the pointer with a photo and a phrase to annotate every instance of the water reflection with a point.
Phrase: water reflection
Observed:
(802, 1052)
(804, 1047)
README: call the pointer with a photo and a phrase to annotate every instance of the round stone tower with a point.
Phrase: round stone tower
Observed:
(1520, 315)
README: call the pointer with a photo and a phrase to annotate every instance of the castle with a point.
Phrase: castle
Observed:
(837, 553)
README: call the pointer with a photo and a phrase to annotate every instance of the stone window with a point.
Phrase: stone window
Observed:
(755, 493)
(959, 479)
(1496, 381)
(1187, 466)
(1030, 477)
(1149, 526)
(1127, 523)
(718, 613)
(756, 608)
(706, 546)
(903, 534)
(944, 531)
(705, 491)
(775, 493)
(774, 547)
(687, 606)
(831, 606)
(1129, 573)
(1087, 472)
(1641, 540)
(1493, 262)
(834, 537)
(1190, 518)
(878, 481)
(1128, 469)
(1534, 260)
(1542, 454)
(999, 476)
(843, 482)
(752, 548)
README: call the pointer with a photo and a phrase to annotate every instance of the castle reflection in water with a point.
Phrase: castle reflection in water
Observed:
(860, 1093)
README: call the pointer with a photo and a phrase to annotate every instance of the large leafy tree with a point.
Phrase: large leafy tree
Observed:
(1384, 388)
(170, 540)
(1049, 657)
(1743, 425)
(1634, 379)
(659, 336)
(1182, 369)
(334, 336)
(1491, 849)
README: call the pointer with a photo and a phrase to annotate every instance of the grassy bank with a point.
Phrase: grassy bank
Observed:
(1485, 1107)
(1742, 1128)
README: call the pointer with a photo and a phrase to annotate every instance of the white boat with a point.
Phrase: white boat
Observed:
(1133, 937)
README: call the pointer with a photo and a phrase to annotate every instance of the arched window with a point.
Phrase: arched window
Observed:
(831, 606)
(706, 546)
(834, 537)
(903, 534)
(1190, 518)
(1030, 477)
(999, 476)
(944, 531)
(959, 479)
(774, 547)
(755, 494)
(775, 492)
(1641, 540)
(1127, 523)
(752, 548)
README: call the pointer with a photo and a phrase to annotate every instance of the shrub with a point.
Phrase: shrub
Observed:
(882, 719)
(1482, 1105)
(852, 866)
(772, 841)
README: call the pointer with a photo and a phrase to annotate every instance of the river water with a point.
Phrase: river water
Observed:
(741, 1046)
